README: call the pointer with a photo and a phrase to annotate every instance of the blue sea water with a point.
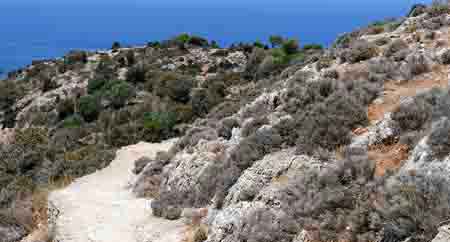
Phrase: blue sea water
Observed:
(48, 28)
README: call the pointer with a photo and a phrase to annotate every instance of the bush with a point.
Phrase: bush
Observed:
(383, 68)
(106, 69)
(280, 57)
(359, 51)
(198, 41)
(328, 125)
(323, 199)
(95, 85)
(290, 46)
(223, 110)
(382, 41)
(65, 108)
(412, 116)
(416, 64)
(415, 204)
(116, 45)
(136, 74)
(200, 102)
(72, 122)
(330, 111)
(254, 60)
(445, 57)
(259, 44)
(254, 147)
(90, 107)
(394, 47)
(183, 38)
(313, 47)
(276, 40)
(184, 112)
(75, 56)
(159, 123)
(119, 93)
(176, 86)
(439, 139)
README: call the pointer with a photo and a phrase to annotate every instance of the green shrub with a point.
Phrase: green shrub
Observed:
(276, 40)
(154, 44)
(198, 41)
(259, 44)
(95, 85)
(116, 45)
(214, 44)
(183, 38)
(290, 46)
(90, 107)
(313, 47)
(72, 122)
(159, 121)
(280, 57)
(119, 93)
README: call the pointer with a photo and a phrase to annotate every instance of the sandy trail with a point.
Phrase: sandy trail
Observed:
(101, 208)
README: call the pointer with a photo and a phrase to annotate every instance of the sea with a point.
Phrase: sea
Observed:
(41, 29)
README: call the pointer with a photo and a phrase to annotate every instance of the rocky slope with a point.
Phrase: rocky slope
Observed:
(278, 144)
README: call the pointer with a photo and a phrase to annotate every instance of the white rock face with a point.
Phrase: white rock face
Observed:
(443, 235)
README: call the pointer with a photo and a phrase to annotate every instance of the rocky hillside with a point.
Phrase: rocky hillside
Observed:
(350, 143)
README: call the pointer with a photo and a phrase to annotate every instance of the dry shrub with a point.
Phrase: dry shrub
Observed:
(197, 233)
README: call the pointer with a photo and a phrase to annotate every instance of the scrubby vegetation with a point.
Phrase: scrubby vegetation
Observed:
(233, 109)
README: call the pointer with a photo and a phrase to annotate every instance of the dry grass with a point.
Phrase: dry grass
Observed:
(197, 233)
(283, 179)
(195, 230)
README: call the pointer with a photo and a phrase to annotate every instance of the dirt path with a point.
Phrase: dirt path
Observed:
(100, 207)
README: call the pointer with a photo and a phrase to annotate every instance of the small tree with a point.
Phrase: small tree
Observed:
(115, 45)
(275, 40)
(290, 46)
(258, 44)
(90, 107)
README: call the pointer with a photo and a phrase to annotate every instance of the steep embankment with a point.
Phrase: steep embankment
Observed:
(100, 207)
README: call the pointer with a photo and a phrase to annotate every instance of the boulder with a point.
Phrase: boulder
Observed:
(443, 235)
(149, 179)
(140, 164)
